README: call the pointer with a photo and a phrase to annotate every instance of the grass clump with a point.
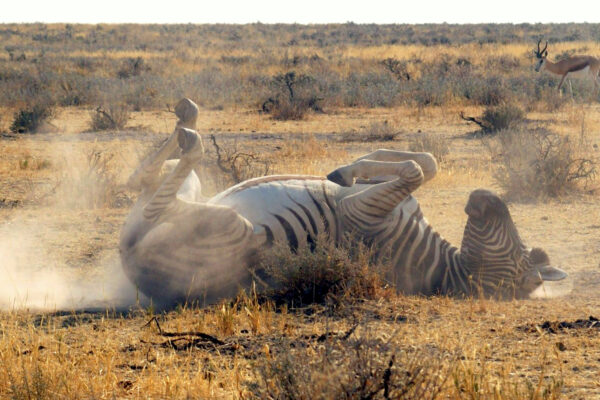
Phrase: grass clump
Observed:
(294, 95)
(429, 143)
(29, 119)
(344, 367)
(90, 181)
(542, 164)
(497, 118)
(114, 117)
(322, 273)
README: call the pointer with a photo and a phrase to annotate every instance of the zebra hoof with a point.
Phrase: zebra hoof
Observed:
(337, 177)
(189, 141)
(187, 112)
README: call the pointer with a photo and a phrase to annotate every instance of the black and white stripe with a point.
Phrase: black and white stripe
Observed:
(175, 246)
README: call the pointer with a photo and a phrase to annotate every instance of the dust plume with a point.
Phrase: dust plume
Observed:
(550, 290)
(53, 253)
(34, 278)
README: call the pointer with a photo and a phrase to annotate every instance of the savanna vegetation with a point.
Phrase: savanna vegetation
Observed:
(81, 105)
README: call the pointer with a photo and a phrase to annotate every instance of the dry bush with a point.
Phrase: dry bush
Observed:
(429, 143)
(114, 117)
(341, 367)
(322, 272)
(91, 182)
(475, 380)
(397, 68)
(537, 164)
(132, 67)
(497, 118)
(294, 95)
(225, 165)
(375, 132)
(29, 119)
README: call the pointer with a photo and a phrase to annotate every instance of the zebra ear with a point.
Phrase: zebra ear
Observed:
(550, 273)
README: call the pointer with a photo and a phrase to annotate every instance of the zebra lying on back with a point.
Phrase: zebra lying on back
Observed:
(175, 245)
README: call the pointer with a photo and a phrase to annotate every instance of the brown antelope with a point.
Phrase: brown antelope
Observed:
(582, 66)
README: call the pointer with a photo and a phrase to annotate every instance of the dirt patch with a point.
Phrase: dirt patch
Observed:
(562, 326)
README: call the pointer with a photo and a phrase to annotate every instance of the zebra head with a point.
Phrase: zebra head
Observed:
(498, 262)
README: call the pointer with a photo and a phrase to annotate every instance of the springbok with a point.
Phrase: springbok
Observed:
(576, 66)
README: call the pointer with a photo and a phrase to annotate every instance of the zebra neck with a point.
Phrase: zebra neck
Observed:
(450, 276)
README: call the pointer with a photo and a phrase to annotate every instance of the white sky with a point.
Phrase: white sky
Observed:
(300, 11)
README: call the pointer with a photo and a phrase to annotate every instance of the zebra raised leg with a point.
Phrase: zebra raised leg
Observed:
(364, 210)
(185, 247)
(361, 168)
(147, 175)
(426, 161)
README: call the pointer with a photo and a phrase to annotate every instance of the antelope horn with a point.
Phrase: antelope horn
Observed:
(538, 50)
(545, 47)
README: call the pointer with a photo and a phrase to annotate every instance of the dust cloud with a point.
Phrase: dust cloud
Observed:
(35, 279)
(550, 290)
(35, 273)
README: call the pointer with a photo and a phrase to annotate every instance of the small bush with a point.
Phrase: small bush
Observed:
(497, 118)
(322, 273)
(295, 95)
(342, 367)
(286, 110)
(132, 67)
(541, 164)
(429, 143)
(114, 117)
(90, 181)
(503, 116)
(225, 165)
(29, 119)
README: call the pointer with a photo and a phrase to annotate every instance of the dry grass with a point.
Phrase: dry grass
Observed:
(322, 273)
(65, 189)
(540, 164)
(114, 117)
(483, 351)
(439, 147)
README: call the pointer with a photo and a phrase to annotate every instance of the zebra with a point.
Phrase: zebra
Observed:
(177, 245)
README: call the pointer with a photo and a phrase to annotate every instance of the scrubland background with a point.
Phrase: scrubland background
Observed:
(81, 105)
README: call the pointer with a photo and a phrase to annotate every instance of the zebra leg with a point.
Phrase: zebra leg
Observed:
(380, 199)
(426, 161)
(147, 174)
(382, 164)
(166, 195)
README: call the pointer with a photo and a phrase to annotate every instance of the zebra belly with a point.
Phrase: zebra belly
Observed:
(409, 247)
(293, 211)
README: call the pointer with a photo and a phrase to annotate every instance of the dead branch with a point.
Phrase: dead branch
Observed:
(481, 124)
(99, 110)
(220, 163)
